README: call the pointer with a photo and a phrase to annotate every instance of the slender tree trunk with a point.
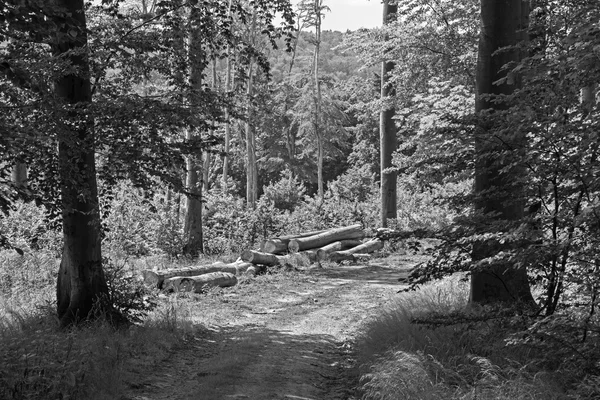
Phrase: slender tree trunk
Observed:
(226, 114)
(81, 286)
(317, 97)
(502, 24)
(251, 168)
(192, 227)
(207, 154)
(289, 133)
(387, 130)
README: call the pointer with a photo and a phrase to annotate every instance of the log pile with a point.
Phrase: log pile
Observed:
(336, 245)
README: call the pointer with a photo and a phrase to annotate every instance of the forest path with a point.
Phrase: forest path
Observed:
(277, 338)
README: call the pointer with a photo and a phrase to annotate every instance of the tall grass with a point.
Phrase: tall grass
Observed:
(401, 357)
(95, 361)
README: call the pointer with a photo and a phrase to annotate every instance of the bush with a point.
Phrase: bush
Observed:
(27, 227)
(285, 194)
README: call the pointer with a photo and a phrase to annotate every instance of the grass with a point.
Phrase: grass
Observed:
(39, 361)
(401, 358)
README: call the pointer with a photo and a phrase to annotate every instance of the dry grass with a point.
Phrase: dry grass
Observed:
(402, 359)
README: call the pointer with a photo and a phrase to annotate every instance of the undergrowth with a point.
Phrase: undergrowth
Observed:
(93, 361)
(431, 345)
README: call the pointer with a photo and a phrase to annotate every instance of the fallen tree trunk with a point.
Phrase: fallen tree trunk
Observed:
(279, 245)
(390, 234)
(257, 257)
(325, 238)
(367, 247)
(338, 256)
(200, 283)
(335, 246)
(157, 278)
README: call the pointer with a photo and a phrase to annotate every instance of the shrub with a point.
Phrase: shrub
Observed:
(27, 227)
(285, 194)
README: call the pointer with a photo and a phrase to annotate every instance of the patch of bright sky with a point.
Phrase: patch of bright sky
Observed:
(352, 14)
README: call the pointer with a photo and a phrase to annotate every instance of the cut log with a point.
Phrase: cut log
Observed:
(279, 245)
(338, 256)
(257, 257)
(336, 246)
(200, 283)
(390, 234)
(365, 248)
(157, 278)
(325, 238)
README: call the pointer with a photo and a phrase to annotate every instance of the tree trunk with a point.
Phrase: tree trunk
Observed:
(156, 278)
(192, 228)
(226, 114)
(19, 175)
(338, 256)
(81, 286)
(364, 248)
(280, 245)
(387, 130)
(251, 168)
(501, 25)
(256, 257)
(317, 116)
(323, 239)
(200, 283)
(324, 251)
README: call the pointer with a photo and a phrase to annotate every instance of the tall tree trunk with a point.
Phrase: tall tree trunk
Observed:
(502, 24)
(317, 97)
(289, 133)
(81, 287)
(207, 155)
(387, 130)
(192, 227)
(251, 168)
(226, 114)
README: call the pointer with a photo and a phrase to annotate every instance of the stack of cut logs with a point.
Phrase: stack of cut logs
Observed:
(338, 244)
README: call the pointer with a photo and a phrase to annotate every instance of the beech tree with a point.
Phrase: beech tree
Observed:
(498, 168)
(387, 129)
(81, 283)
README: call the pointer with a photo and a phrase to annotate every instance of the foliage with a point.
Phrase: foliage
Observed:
(429, 346)
(27, 226)
(287, 193)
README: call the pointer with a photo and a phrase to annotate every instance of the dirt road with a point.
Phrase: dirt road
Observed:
(278, 337)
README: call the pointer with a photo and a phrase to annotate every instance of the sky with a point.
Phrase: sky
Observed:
(352, 14)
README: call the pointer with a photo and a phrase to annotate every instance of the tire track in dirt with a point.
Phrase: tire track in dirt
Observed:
(291, 340)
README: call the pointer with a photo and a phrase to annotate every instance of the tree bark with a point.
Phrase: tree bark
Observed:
(200, 283)
(317, 97)
(257, 257)
(192, 228)
(338, 256)
(251, 168)
(157, 278)
(387, 130)
(226, 114)
(323, 239)
(19, 175)
(280, 244)
(502, 24)
(365, 248)
(81, 286)
(324, 251)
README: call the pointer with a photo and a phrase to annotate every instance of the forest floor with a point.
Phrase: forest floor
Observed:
(287, 335)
